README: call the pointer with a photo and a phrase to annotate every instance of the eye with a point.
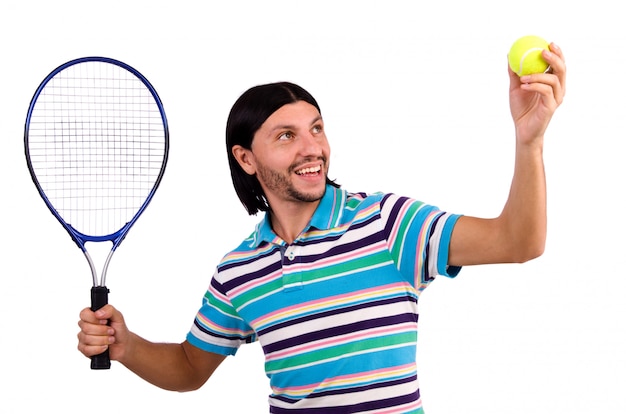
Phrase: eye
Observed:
(285, 136)
(317, 129)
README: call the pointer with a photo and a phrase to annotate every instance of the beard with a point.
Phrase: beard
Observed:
(281, 185)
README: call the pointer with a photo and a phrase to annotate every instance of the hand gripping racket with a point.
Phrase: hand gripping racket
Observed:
(96, 141)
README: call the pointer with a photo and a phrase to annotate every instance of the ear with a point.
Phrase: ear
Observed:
(245, 158)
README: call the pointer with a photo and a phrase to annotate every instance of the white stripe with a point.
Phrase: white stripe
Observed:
(433, 245)
(338, 320)
(353, 398)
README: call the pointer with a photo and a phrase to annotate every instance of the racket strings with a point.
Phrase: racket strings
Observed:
(97, 145)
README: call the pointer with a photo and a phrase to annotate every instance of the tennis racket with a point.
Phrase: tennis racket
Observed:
(96, 141)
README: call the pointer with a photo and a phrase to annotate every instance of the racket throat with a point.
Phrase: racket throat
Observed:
(105, 268)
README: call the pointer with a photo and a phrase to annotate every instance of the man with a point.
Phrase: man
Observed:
(329, 280)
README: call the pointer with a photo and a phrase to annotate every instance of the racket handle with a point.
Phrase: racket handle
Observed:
(99, 298)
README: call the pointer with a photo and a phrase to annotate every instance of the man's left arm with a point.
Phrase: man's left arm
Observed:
(518, 234)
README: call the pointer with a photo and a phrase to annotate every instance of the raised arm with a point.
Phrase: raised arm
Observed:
(176, 367)
(518, 234)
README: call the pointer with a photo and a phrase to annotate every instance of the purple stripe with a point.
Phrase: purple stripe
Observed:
(393, 214)
(336, 331)
(252, 259)
(247, 338)
(344, 248)
(365, 305)
(274, 266)
(355, 408)
(427, 276)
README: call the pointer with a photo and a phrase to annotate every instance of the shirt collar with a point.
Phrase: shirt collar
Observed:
(327, 215)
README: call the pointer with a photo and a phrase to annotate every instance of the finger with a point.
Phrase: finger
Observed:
(547, 85)
(87, 339)
(545, 92)
(91, 350)
(554, 48)
(101, 315)
(95, 329)
(93, 344)
(556, 60)
(88, 315)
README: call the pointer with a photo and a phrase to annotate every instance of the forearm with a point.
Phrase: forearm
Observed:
(165, 365)
(524, 216)
(518, 233)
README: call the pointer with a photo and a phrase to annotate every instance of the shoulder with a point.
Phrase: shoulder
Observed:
(385, 204)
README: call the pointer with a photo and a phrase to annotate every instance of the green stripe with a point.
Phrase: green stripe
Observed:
(257, 292)
(337, 208)
(224, 307)
(358, 264)
(344, 350)
(407, 219)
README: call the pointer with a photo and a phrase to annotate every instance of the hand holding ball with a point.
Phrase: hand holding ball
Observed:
(525, 55)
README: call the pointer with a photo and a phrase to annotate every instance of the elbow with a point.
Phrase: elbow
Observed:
(193, 383)
(188, 389)
(530, 251)
(530, 255)
(183, 387)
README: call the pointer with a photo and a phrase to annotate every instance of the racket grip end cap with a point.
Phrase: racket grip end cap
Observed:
(101, 361)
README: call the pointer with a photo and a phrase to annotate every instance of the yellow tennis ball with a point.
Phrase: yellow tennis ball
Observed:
(525, 55)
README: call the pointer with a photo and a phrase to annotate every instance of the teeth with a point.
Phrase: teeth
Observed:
(309, 170)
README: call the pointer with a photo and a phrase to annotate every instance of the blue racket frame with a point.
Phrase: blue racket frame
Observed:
(99, 291)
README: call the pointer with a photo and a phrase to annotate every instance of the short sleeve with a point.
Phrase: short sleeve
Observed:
(419, 237)
(217, 327)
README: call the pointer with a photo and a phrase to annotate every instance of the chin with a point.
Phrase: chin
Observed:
(309, 195)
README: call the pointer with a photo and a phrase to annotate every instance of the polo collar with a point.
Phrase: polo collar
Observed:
(326, 216)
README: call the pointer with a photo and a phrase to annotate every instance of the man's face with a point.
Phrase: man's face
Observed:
(289, 155)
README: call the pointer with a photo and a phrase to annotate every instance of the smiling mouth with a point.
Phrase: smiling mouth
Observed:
(309, 171)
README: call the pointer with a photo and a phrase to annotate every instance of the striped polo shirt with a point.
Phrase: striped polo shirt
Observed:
(336, 310)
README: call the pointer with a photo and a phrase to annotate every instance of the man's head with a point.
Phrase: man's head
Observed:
(247, 116)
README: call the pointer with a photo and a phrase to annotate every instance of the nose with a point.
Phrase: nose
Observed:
(312, 145)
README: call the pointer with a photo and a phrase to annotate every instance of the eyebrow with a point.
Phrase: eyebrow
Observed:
(289, 126)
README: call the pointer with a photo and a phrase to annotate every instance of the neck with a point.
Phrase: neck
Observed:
(289, 220)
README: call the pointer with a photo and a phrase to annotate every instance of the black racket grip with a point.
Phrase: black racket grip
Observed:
(99, 298)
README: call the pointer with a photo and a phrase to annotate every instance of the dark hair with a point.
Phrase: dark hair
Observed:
(246, 116)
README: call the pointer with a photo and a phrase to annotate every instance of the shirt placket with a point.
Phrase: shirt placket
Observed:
(292, 269)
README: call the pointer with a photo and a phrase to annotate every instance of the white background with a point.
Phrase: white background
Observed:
(415, 99)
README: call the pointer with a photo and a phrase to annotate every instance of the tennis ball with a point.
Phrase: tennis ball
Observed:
(525, 55)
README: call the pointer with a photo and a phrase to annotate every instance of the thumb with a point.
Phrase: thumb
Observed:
(108, 312)
(514, 78)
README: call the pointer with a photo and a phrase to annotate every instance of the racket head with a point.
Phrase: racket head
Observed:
(96, 141)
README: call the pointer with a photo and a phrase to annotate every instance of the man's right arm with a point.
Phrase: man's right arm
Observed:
(175, 367)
